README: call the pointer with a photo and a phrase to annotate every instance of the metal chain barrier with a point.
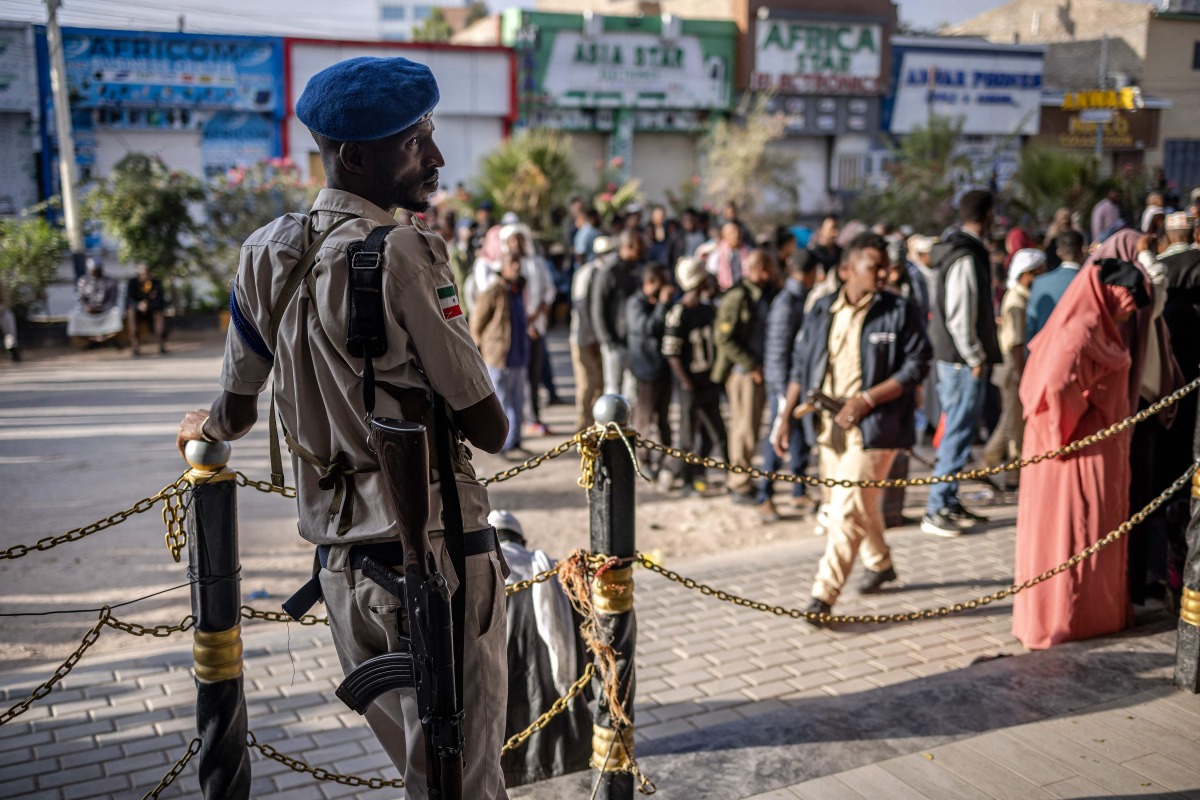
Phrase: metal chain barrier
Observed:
(928, 613)
(265, 486)
(557, 707)
(175, 770)
(320, 773)
(895, 483)
(106, 619)
(140, 507)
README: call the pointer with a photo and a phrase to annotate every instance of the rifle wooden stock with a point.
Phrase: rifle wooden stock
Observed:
(403, 453)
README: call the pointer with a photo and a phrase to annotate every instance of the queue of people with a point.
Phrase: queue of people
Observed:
(995, 341)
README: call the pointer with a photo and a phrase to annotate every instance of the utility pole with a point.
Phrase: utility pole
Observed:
(67, 168)
(1103, 84)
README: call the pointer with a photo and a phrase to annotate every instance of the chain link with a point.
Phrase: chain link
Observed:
(174, 771)
(928, 613)
(557, 707)
(157, 631)
(63, 670)
(320, 773)
(75, 534)
(895, 483)
(265, 486)
(535, 462)
(174, 514)
(279, 616)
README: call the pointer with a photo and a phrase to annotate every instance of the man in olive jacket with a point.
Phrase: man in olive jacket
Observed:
(741, 334)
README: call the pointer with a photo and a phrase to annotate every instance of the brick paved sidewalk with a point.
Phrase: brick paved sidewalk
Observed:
(731, 702)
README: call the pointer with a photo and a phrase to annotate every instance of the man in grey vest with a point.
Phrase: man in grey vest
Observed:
(965, 347)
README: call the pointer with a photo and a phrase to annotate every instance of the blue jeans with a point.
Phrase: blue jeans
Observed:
(961, 397)
(797, 452)
(510, 391)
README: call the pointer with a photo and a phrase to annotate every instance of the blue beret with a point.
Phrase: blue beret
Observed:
(367, 98)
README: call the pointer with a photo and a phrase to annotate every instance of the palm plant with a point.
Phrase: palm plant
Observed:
(529, 174)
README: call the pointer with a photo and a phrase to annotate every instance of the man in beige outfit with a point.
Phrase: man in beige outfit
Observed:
(865, 349)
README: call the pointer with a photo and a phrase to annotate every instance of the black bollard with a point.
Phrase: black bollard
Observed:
(224, 760)
(611, 506)
(1187, 646)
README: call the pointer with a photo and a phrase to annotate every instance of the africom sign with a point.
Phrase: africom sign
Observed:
(825, 57)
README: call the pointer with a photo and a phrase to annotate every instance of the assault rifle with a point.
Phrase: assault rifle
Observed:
(428, 666)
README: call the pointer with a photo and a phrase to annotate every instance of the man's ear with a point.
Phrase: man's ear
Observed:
(352, 157)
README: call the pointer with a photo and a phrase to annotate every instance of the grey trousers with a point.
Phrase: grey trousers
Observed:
(362, 617)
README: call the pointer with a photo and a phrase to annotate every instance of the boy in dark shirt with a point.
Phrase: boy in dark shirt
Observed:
(688, 346)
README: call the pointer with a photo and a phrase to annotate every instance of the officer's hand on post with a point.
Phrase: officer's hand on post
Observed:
(191, 428)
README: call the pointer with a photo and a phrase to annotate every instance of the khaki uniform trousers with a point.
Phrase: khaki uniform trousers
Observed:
(589, 381)
(362, 617)
(855, 514)
(747, 401)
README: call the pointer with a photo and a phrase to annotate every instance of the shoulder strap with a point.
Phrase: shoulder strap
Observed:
(366, 333)
(452, 524)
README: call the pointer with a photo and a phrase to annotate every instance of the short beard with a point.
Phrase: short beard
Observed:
(413, 203)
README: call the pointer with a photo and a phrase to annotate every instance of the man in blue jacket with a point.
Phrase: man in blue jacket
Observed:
(867, 350)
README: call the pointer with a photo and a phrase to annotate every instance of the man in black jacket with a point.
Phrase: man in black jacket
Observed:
(783, 325)
(965, 347)
(645, 314)
(866, 349)
(614, 283)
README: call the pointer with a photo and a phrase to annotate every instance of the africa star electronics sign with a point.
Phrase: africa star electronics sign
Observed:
(826, 57)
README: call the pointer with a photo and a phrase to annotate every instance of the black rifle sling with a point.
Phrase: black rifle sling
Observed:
(452, 524)
(366, 333)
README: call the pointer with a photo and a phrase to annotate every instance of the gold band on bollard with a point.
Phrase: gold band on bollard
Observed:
(206, 476)
(612, 591)
(609, 753)
(1189, 607)
(1196, 484)
(218, 656)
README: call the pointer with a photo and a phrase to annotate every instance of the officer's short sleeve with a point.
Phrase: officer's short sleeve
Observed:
(246, 368)
(431, 313)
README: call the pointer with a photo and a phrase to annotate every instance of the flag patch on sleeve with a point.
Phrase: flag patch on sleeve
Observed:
(448, 299)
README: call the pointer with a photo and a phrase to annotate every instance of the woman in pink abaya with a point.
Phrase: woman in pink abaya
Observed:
(1076, 382)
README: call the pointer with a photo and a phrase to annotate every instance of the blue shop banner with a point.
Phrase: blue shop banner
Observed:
(173, 72)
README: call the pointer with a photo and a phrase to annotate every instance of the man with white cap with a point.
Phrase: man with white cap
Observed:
(544, 653)
(690, 348)
(1005, 442)
(371, 119)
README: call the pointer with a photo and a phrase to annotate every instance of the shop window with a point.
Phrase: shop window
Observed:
(421, 12)
(393, 12)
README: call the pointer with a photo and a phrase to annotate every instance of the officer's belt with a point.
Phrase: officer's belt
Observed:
(391, 553)
(336, 476)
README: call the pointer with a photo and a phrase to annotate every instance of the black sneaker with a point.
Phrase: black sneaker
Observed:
(964, 518)
(873, 581)
(940, 524)
(818, 606)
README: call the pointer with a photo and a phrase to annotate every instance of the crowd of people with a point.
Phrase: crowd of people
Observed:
(852, 342)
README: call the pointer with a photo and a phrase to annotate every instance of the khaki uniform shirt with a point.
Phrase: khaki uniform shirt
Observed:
(843, 375)
(318, 386)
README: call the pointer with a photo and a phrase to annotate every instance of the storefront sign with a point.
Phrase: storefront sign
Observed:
(1128, 98)
(818, 57)
(633, 70)
(233, 140)
(197, 72)
(992, 93)
(1126, 130)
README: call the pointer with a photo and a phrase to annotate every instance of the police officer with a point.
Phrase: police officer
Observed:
(371, 119)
